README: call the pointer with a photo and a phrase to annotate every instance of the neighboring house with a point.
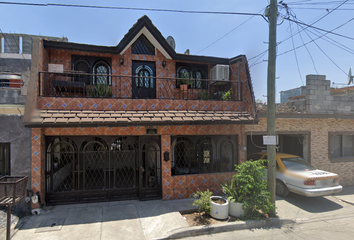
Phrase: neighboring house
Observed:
(135, 121)
(318, 126)
(15, 139)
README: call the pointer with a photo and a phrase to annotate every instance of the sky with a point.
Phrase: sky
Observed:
(219, 35)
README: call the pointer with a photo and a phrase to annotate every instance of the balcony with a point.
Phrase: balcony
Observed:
(79, 85)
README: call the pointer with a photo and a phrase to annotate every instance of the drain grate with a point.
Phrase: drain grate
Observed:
(50, 225)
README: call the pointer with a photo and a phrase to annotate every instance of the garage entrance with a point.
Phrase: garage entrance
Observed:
(292, 143)
(104, 168)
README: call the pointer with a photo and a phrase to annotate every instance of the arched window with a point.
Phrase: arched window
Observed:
(200, 73)
(145, 79)
(183, 159)
(102, 71)
(82, 66)
(185, 73)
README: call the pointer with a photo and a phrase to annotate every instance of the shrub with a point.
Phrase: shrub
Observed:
(202, 201)
(253, 188)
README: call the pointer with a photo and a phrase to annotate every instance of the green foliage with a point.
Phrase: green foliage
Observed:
(100, 90)
(202, 201)
(203, 95)
(227, 95)
(186, 78)
(252, 189)
(232, 191)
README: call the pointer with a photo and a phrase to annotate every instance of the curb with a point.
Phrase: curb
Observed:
(226, 227)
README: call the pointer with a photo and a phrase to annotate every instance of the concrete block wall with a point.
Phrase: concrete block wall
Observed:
(319, 99)
(12, 96)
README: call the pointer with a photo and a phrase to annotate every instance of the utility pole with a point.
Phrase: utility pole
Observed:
(273, 12)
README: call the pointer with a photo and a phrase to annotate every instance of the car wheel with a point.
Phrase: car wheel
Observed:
(280, 189)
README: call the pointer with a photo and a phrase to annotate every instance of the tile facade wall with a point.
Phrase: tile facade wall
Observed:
(319, 133)
(122, 86)
(173, 187)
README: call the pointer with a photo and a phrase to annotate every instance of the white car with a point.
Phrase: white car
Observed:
(296, 175)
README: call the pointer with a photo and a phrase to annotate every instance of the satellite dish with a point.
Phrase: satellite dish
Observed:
(350, 77)
(171, 41)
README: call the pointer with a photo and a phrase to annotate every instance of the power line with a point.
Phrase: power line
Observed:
(331, 31)
(128, 8)
(308, 51)
(228, 33)
(320, 18)
(297, 62)
(327, 55)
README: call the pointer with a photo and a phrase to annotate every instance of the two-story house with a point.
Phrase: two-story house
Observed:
(134, 121)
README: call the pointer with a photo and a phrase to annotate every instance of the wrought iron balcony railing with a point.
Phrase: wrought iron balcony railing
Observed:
(136, 87)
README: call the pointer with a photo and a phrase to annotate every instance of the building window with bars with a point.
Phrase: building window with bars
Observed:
(192, 75)
(201, 154)
(102, 71)
(143, 46)
(341, 146)
(4, 159)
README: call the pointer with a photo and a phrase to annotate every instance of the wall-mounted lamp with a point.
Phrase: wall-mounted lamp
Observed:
(166, 156)
(164, 63)
(121, 61)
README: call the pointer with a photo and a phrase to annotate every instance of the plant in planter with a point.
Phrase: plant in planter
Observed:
(202, 201)
(253, 189)
(219, 207)
(184, 80)
(203, 95)
(100, 90)
(227, 95)
(235, 197)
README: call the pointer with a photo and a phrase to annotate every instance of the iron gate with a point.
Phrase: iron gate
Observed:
(96, 171)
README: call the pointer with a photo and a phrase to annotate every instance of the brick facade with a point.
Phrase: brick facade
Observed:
(319, 133)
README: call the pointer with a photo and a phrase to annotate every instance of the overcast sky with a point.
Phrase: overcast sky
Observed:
(329, 55)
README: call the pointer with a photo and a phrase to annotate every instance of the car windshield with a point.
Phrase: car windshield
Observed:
(297, 164)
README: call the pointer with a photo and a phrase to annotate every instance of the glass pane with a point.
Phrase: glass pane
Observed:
(347, 145)
(335, 146)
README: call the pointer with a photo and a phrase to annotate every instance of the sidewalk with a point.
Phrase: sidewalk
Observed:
(161, 219)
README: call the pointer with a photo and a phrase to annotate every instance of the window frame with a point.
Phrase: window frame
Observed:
(194, 161)
(3, 159)
(92, 62)
(192, 70)
(342, 158)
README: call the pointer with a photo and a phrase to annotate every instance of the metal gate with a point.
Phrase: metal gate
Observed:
(97, 171)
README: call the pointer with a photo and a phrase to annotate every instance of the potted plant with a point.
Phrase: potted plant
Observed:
(234, 196)
(100, 90)
(227, 95)
(202, 201)
(185, 80)
(252, 186)
(219, 207)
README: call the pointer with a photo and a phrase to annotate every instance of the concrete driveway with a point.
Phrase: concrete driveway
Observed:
(108, 220)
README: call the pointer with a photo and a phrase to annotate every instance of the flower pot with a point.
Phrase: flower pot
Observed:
(235, 209)
(183, 90)
(217, 210)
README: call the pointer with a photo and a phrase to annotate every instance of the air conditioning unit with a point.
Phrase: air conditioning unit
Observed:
(59, 68)
(220, 72)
